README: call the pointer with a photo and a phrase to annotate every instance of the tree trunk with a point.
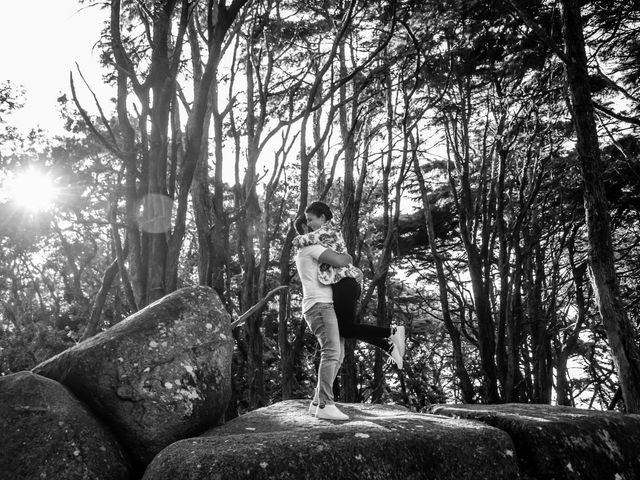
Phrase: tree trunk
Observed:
(247, 205)
(220, 237)
(349, 391)
(568, 347)
(129, 155)
(101, 297)
(502, 359)
(459, 143)
(162, 84)
(513, 329)
(620, 331)
(540, 341)
(464, 381)
(200, 194)
(155, 245)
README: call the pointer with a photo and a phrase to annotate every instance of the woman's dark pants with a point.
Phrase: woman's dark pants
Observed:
(345, 302)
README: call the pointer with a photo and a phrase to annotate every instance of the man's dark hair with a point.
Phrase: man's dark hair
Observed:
(298, 223)
(320, 208)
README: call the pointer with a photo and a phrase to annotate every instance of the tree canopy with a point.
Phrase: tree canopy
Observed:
(481, 158)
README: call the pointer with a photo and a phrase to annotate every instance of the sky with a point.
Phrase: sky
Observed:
(41, 41)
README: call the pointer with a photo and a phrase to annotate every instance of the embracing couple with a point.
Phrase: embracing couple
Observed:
(330, 292)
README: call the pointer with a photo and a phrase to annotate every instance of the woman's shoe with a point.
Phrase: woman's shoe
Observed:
(397, 338)
(394, 356)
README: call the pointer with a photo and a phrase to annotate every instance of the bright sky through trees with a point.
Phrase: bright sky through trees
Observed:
(31, 190)
(41, 42)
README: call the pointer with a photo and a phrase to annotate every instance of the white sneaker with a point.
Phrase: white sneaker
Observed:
(398, 339)
(330, 412)
(394, 356)
(312, 408)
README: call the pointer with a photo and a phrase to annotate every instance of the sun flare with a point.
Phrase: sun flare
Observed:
(32, 190)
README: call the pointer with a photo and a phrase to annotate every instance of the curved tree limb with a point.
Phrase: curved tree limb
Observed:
(258, 306)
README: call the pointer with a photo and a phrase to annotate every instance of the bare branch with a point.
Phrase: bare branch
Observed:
(258, 306)
(113, 148)
(617, 116)
(105, 122)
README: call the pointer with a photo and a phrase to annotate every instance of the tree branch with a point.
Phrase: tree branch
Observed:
(113, 148)
(242, 318)
(617, 116)
(526, 17)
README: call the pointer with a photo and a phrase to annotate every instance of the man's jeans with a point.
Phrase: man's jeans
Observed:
(322, 321)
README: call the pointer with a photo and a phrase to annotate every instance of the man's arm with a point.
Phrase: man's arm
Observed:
(335, 259)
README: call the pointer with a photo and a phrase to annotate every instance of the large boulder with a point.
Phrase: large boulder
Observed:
(378, 442)
(45, 432)
(160, 375)
(554, 442)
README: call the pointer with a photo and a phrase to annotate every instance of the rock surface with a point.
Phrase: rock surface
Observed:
(45, 432)
(378, 442)
(160, 375)
(554, 442)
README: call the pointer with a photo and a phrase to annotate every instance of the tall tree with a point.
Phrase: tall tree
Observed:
(158, 173)
(604, 280)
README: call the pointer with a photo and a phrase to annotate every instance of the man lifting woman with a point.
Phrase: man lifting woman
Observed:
(330, 292)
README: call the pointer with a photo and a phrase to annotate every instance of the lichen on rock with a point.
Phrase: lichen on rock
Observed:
(158, 376)
(378, 442)
(48, 433)
(562, 442)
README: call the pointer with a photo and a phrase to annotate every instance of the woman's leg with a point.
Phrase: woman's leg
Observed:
(345, 302)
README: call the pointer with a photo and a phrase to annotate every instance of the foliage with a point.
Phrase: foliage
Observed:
(340, 101)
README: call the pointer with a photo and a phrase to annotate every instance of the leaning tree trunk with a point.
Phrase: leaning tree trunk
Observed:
(620, 331)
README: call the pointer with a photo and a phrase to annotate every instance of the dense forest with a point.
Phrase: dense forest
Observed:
(482, 158)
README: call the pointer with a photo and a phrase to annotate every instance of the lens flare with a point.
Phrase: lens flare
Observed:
(155, 213)
(32, 190)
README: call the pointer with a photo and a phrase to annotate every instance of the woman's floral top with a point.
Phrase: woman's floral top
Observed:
(329, 236)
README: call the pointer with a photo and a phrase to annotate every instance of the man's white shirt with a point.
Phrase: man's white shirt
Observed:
(312, 290)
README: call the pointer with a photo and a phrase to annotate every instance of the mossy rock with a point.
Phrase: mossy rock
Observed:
(45, 432)
(158, 376)
(283, 441)
(555, 442)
